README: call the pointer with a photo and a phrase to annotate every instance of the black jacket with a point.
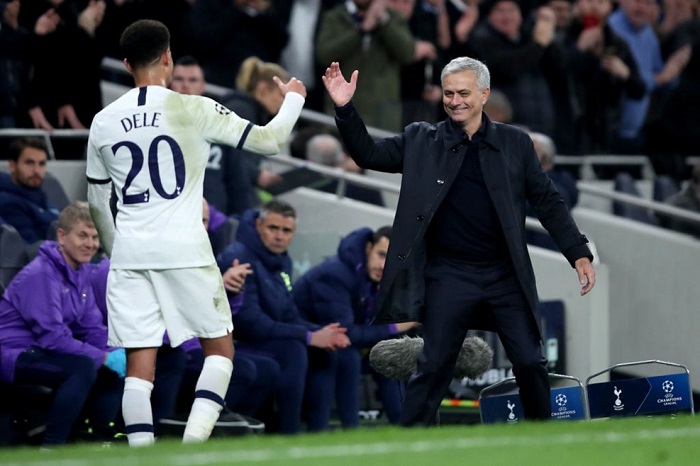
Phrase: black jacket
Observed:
(429, 157)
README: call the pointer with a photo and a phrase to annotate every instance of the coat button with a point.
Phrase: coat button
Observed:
(419, 218)
(402, 257)
(440, 182)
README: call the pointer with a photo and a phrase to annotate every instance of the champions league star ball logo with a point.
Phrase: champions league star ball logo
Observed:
(560, 400)
(667, 386)
(221, 109)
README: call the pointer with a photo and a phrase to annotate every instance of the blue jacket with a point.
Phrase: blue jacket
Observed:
(339, 290)
(26, 209)
(49, 305)
(268, 310)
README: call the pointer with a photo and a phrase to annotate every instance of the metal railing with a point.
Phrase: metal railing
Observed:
(46, 136)
(586, 164)
(656, 207)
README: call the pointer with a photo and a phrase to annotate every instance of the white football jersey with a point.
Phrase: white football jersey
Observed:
(153, 144)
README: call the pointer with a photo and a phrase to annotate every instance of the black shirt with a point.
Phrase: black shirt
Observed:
(466, 224)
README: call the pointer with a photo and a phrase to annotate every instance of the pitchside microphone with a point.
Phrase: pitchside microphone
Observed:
(396, 358)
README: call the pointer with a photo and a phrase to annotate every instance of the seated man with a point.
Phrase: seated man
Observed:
(342, 289)
(51, 332)
(268, 322)
(23, 204)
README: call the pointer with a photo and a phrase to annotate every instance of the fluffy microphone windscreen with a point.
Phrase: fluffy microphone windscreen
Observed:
(396, 358)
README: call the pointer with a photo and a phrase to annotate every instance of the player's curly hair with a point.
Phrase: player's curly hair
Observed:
(143, 42)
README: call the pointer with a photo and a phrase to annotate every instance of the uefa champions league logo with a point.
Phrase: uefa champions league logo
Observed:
(669, 399)
(560, 400)
(667, 386)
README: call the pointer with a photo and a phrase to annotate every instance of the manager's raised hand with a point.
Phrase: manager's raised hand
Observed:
(338, 88)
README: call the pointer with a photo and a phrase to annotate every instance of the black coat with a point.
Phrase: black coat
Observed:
(429, 157)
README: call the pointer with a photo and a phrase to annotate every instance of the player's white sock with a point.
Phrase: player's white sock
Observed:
(208, 398)
(136, 409)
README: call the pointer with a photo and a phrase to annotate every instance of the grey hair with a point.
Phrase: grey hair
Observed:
(277, 206)
(459, 64)
(324, 149)
(545, 148)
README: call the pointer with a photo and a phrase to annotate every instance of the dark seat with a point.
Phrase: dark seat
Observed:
(664, 187)
(54, 192)
(624, 183)
(12, 253)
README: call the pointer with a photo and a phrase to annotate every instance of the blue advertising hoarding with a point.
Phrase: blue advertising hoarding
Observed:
(647, 395)
(567, 404)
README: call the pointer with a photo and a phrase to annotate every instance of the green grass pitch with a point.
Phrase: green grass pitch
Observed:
(660, 440)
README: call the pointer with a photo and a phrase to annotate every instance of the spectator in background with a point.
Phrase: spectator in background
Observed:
(367, 36)
(563, 181)
(671, 130)
(343, 289)
(226, 32)
(269, 323)
(564, 13)
(498, 107)
(633, 21)
(226, 182)
(14, 47)
(603, 72)
(676, 15)
(64, 86)
(302, 20)
(258, 99)
(528, 66)
(326, 149)
(463, 17)
(688, 198)
(52, 334)
(420, 82)
(23, 204)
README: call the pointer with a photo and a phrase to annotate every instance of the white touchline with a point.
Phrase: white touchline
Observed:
(375, 449)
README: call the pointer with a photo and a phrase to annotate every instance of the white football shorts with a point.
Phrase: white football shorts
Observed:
(143, 304)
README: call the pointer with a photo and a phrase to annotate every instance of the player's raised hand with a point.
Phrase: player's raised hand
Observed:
(294, 85)
(338, 88)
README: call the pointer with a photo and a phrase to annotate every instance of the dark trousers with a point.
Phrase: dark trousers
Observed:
(337, 376)
(266, 371)
(351, 366)
(288, 389)
(457, 294)
(320, 384)
(77, 385)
